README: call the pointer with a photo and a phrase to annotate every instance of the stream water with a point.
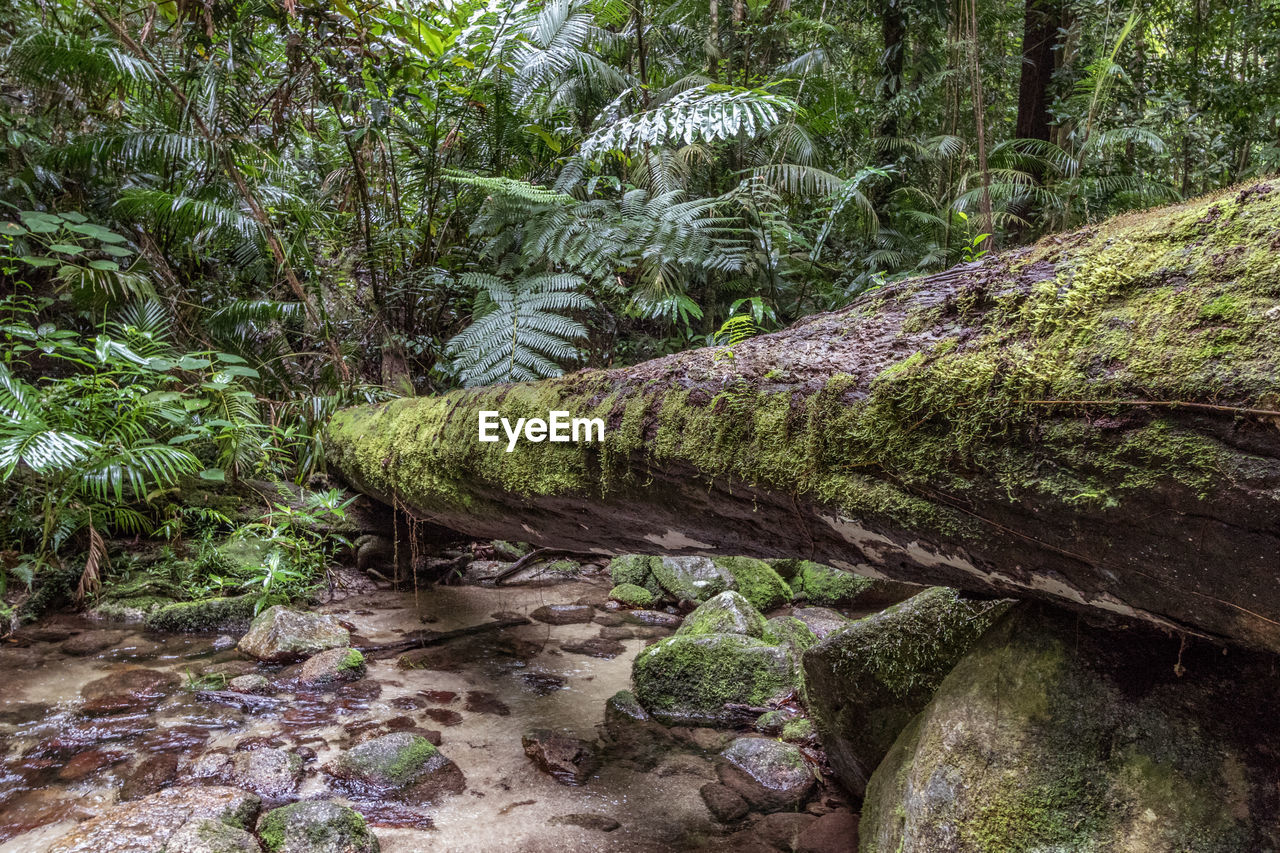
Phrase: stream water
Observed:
(482, 693)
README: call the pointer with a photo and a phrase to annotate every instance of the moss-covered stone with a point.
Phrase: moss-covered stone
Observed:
(814, 583)
(636, 570)
(1052, 734)
(692, 578)
(631, 595)
(726, 613)
(316, 826)
(864, 684)
(790, 631)
(799, 730)
(689, 679)
(757, 581)
(208, 614)
(401, 765)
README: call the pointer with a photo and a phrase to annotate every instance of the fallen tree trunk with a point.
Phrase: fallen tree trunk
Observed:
(1091, 420)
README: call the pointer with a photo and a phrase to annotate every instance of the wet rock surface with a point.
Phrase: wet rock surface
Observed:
(129, 690)
(204, 835)
(769, 775)
(568, 760)
(564, 614)
(316, 827)
(146, 825)
(402, 765)
(280, 634)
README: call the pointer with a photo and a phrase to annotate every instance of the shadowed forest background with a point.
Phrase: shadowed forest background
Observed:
(223, 220)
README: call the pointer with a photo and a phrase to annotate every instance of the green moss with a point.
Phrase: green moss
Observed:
(333, 829)
(636, 570)
(631, 595)
(209, 614)
(815, 583)
(788, 630)
(352, 662)
(799, 729)
(689, 679)
(726, 613)
(568, 567)
(757, 581)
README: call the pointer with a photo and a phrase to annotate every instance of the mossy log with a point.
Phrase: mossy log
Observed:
(1091, 420)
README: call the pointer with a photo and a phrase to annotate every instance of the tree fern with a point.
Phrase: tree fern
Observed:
(520, 331)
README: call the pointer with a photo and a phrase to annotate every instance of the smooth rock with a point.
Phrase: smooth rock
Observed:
(726, 613)
(769, 775)
(596, 647)
(152, 774)
(334, 666)
(279, 635)
(146, 825)
(252, 684)
(564, 614)
(598, 822)
(204, 835)
(725, 804)
(822, 621)
(568, 760)
(271, 773)
(688, 680)
(782, 830)
(692, 578)
(127, 690)
(91, 642)
(835, 832)
(400, 765)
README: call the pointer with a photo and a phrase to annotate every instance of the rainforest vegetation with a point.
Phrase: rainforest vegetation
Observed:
(221, 221)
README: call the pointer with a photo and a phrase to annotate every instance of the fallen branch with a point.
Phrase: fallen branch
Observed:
(422, 639)
(537, 555)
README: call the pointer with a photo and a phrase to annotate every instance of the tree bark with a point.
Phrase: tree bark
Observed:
(893, 34)
(1040, 35)
(1093, 420)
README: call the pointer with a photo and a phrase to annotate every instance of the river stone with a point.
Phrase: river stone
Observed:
(757, 581)
(271, 773)
(598, 822)
(151, 774)
(564, 614)
(1056, 734)
(568, 760)
(790, 631)
(91, 642)
(835, 832)
(596, 647)
(332, 667)
(815, 583)
(204, 835)
(316, 826)
(207, 614)
(692, 578)
(725, 804)
(653, 618)
(687, 680)
(769, 775)
(631, 595)
(146, 825)
(864, 684)
(280, 634)
(253, 684)
(822, 621)
(127, 690)
(726, 613)
(400, 765)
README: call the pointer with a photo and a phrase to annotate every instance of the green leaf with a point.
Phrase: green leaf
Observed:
(66, 249)
(118, 251)
(12, 229)
(214, 475)
(35, 261)
(190, 362)
(238, 370)
(109, 266)
(228, 358)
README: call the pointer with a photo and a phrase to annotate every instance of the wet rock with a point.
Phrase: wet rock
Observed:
(204, 835)
(725, 804)
(1056, 734)
(331, 667)
(88, 763)
(316, 826)
(692, 578)
(230, 669)
(254, 684)
(782, 830)
(86, 733)
(771, 722)
(482, 702)
(484, 571)
(443, 716)
(146, 825)
(790, 631)
(568, 760)
(822, 621)
(800, 730)
(623, 708)
(564, 614)
(224, 642)
(401, 766)
(617, 634)
(272, 774)
(92, 642)
(690, 679)
(757, 581)
(43, 634)
(19, 713)
(597, 822)
(653, 617)
(726, 613)
(542, 683)
(127, 690)
(177, 738)
(439, 697)
(835, 832)
(865, 683)
(769, 775)
(208, 614)
(608, 620)
(378, 553)
(596, 647)
(509, 551)
(280, 634)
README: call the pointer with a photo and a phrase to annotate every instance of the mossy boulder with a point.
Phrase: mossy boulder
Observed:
(726, 613)
(316, 826)
(204, 835)
(692, 578)
(688, 679)
(401, 766)
(770, 775)
(332, 667)
(631, 595)
(147, 824)
(636, 570)
(1054, 734)
(865, 683)
(790, 631)
(280, 634)
(757, 581)
(814, 583)
(132, 599)
(208, 614)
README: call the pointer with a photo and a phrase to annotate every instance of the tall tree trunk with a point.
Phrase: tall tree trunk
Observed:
(1055, 422)
(979, 108)
(893, 34)
(1039, 36)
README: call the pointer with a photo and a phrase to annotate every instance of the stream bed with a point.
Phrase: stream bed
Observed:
(61, 762)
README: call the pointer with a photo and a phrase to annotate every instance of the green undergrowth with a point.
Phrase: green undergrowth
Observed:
(1164, 306)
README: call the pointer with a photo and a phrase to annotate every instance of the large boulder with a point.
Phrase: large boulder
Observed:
(1053, 734)
(402, 766)
(316, 826)
(207, 614)
(146, 825)
(757, 581)
(864, 684)
(279, 634)
(770, 775)
(692, 578)
(815, 583)
(689, 679)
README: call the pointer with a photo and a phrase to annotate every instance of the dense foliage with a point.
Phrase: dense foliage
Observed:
(224, 219)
